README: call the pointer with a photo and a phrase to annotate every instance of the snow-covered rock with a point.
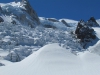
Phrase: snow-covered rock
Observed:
(92, 22)
(98, 21)
(1, 64)
(46, 22)
(21, 12)
(70, 22)
(43, 46)
(1, 20)
(13, 36)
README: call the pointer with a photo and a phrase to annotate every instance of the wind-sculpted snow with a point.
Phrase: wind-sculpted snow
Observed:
(52, 59)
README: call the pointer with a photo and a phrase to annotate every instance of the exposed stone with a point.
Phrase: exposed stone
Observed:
(64, 22)
(85, 33)
(24, 13)
(22, 17)
(0, 9)
(30, 11)
(92, 19)
(92, 22)
(1, 20)
(49, 26)
(53, 20)
(30, 23)
(13, 22)
(2, 64)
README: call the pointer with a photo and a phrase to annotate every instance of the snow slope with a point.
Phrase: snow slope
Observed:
(43, 51)
(98, 21)
(96, 47)
(72, 23)
(55, 60)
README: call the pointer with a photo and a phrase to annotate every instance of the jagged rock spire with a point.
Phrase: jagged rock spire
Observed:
(24, 1)
(30, 10)
(16, 1)
(92, 22)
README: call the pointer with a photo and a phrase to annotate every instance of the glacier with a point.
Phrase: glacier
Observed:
(43, 46)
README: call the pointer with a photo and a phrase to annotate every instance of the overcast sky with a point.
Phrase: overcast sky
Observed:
(72, 9)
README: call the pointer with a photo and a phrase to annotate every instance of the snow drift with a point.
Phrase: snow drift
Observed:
(55, 60)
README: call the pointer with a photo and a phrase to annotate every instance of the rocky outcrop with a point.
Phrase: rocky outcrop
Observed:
(22, 18)
(49, 26)
(1, 19)
(0, 9)
(21, 12)
(30, 11)
(2, 64)
(92, 22)
(64, 22)
(53, 20)
(13, 22)
(85, 33)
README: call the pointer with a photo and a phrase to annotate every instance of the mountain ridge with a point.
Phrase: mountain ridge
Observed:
(48, 46)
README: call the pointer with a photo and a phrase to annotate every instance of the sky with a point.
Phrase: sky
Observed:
(70, 9)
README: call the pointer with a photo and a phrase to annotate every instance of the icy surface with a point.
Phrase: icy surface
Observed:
(20, 41)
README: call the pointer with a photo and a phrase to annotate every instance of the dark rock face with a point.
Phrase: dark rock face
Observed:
(92, 22)
(30, 11)
(64, 22)
(53, 20)
(1, 20)
(2, 64)
(13, 22)
(0, 9)
(92, 19)
(23, 13)
(49, 26)
(85, 33)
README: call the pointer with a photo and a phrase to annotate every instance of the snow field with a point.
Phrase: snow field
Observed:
(55, 60)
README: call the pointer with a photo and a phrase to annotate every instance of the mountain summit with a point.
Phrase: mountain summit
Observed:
(19, 12)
